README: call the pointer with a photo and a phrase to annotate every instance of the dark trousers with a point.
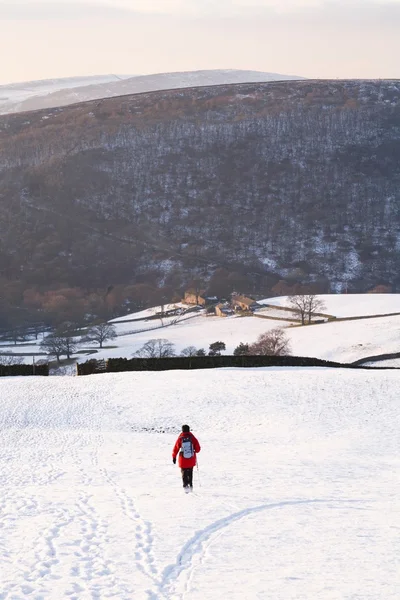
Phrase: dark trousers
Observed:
(187, 477)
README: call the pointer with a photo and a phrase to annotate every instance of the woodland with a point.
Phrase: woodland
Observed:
(264, 188)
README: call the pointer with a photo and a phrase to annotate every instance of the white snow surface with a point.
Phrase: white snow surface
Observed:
(296, 497)
(350, 305)
(341, 341)
(199, 331)
(48, 93)
(148, 312)
(13, 94)
(347, 341)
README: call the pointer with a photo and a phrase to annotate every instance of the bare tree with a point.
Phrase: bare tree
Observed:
(314, 305)
(161, 313)
(69, 345)
(100, 333)
(189, 351)
(299, 304)
(54, 346)
(272, 343)
(7, 360)
(180, 316)
(58, 344)
(156, 348)
(307, 305)
(65, 331)
(17, 335)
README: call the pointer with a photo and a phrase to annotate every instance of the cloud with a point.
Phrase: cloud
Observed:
(42, 11)
(355, 13)
(332, 39)
(302, 12)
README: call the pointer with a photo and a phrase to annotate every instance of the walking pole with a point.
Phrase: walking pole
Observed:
(198, 471)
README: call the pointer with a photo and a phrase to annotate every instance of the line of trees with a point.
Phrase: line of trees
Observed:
(162, 348)
(7, 360)
(272, 343)
(64, 341)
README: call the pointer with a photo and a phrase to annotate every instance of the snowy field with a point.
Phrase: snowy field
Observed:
(199, 331)
(342, 341)
(351, 305)
(14, 94)
(148, 312)
(296, 498)
(347, 341)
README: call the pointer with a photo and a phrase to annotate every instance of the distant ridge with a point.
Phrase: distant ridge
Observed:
(13, 95)
(50, 93)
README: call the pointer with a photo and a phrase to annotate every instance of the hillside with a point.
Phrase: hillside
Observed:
(341, 341)
(361, 326)
(62, 92)
(14, 97)
(296, 495)
(238, 185)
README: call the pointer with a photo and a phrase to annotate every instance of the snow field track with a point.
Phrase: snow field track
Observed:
(299, 475)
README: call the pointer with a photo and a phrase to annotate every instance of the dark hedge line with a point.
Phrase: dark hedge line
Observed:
(91, 367)
(114, 365)
(376, 358)
(23, 370)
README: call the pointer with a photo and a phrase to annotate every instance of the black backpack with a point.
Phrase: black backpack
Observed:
(187, 446)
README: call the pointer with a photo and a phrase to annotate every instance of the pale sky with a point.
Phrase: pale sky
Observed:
(311, 38)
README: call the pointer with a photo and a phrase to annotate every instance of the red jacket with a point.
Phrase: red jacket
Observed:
(186, 463)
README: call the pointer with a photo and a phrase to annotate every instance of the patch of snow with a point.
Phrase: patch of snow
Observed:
(350, 305)
(342, 341)
(296, 495)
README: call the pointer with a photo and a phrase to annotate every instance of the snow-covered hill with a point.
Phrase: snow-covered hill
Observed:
(296, 494)
(61, 92)
(14, 95)
(342, 341)
(350, 305)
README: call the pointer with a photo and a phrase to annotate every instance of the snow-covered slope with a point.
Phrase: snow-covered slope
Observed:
(350, 305)
(342, 341)
(13, 95)
(347, 341)
(198, 331)
(61, 92)
(296, 496)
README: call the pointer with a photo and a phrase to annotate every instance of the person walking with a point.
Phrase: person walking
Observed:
(187, 445)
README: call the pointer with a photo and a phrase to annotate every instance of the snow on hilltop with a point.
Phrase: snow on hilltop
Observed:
(13, 95)
(296, 494)
(50, 93)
